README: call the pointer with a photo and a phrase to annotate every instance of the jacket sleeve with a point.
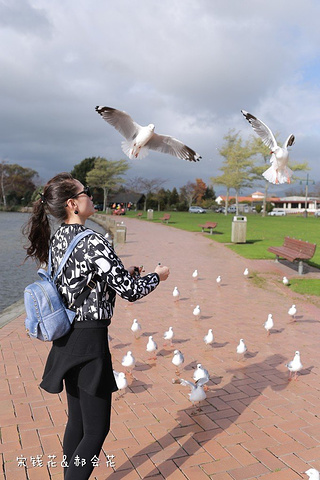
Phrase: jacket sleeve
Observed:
(105, 262)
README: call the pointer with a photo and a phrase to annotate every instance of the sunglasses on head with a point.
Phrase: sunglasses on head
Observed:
(86, 190)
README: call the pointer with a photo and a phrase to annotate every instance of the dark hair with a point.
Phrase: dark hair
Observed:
(52, 201)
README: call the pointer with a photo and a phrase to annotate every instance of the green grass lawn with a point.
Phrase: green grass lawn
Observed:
(262, 232)
(308, 286)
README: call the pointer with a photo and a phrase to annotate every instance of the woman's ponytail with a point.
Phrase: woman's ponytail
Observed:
(38, 232)
(52, 201)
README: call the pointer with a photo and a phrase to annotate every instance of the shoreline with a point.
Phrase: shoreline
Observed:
(17, 308)
(10, 313)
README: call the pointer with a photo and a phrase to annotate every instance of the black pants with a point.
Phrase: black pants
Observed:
(87, 427)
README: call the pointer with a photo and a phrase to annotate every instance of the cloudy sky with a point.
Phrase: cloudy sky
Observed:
(188, 66)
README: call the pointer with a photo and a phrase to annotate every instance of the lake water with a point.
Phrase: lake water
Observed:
(14, 274)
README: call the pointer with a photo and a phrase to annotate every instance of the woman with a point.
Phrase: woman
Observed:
(82, 358)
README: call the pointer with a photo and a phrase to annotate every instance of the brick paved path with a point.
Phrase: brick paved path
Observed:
(253, 423)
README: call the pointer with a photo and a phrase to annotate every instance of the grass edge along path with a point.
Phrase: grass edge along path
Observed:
(262, 232)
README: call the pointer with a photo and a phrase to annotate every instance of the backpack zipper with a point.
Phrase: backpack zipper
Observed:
(46, 295)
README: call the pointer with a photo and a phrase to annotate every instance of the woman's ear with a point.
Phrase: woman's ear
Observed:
(70, 203)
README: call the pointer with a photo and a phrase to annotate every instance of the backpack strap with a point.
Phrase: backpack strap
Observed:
(68, 252)
(90, 285)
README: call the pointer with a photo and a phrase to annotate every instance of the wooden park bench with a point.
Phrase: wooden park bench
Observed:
(208, 226)
(166, 217)
(293, 250)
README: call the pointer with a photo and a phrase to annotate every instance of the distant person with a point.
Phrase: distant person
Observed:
(82, 358)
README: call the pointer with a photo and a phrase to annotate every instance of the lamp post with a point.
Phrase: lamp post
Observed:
(307, 190)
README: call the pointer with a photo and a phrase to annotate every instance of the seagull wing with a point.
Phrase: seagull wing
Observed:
(203, 381)
(289, 141)
(262, 130)
(121, 121)
(186, 383)
(167, 144)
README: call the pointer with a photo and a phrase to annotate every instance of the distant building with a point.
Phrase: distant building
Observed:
(292, 204)
(297, 204)
(136, 200)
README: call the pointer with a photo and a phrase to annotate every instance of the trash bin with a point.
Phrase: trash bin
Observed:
(239, 229)
(121, 233)
(150, 214)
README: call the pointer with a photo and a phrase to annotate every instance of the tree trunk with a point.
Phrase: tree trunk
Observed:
(264, 208)
(105, 198)
(237, 203)
(227, 202)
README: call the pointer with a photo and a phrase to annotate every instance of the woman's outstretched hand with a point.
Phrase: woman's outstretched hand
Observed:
(163, 272)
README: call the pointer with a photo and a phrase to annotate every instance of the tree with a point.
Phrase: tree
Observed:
(200, 190)
(106, 174)
(16, 183)
(209, 194)
(259, 148)
(163, 198)
(146, 186)
(174, 198)
(188, 193)
(81, 170)
(237, 166)
(226, 180)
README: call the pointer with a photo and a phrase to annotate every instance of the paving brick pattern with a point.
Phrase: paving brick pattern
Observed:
(254, 423)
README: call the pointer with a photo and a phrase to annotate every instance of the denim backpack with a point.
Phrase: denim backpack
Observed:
(47, 316)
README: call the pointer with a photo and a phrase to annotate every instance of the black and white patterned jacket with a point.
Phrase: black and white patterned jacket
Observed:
(93, 256)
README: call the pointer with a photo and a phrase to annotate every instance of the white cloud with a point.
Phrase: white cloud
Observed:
(187, 66)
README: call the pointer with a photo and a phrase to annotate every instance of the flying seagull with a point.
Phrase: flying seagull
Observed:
(279, 172)
(138, 139)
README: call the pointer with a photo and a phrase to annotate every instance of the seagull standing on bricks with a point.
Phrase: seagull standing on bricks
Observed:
(129, 362)
(268, 324)
(241, 348)
(176, 294)
(313, 474)
(209, 338)
(292, 311)
(197, 312)
(195, 275)
(136, 328)
(177, 360)
(295, 365)
(152, 348)
(168, 335)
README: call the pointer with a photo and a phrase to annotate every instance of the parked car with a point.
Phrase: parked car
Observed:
(98, 206)
(221, 210)
(277, 212)
(232, 209)
(195, 209)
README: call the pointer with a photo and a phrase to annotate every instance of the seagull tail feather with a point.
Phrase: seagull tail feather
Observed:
(126, 146)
